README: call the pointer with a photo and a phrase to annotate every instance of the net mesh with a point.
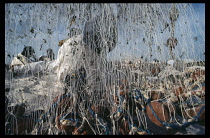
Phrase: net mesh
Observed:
(109, 59)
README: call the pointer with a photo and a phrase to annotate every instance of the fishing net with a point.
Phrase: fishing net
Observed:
(111, 68)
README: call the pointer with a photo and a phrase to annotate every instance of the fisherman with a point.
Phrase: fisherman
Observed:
(81, 62)
(89, 51)
(23, 58)
(49, 57)
(27, 63)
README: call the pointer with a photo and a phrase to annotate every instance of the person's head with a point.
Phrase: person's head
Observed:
(50, 54)
(28, 51)
(100, 32)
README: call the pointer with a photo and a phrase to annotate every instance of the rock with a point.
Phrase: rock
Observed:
(155, 71)
(21, 126)
(169, 70)
(193, 68)
(25, 124)
(178, 90)
(83, 130)
(197, 74)
(203, 97)
(203, 88)
(6, 105)
(124, 127)
(198, 93)
(173, 98)
(65, 125)
(7, 90)
(17, 110)
(185, 95)
(128, 129)
(170, 62)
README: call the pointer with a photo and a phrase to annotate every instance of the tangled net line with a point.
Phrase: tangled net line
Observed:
(100, 95)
